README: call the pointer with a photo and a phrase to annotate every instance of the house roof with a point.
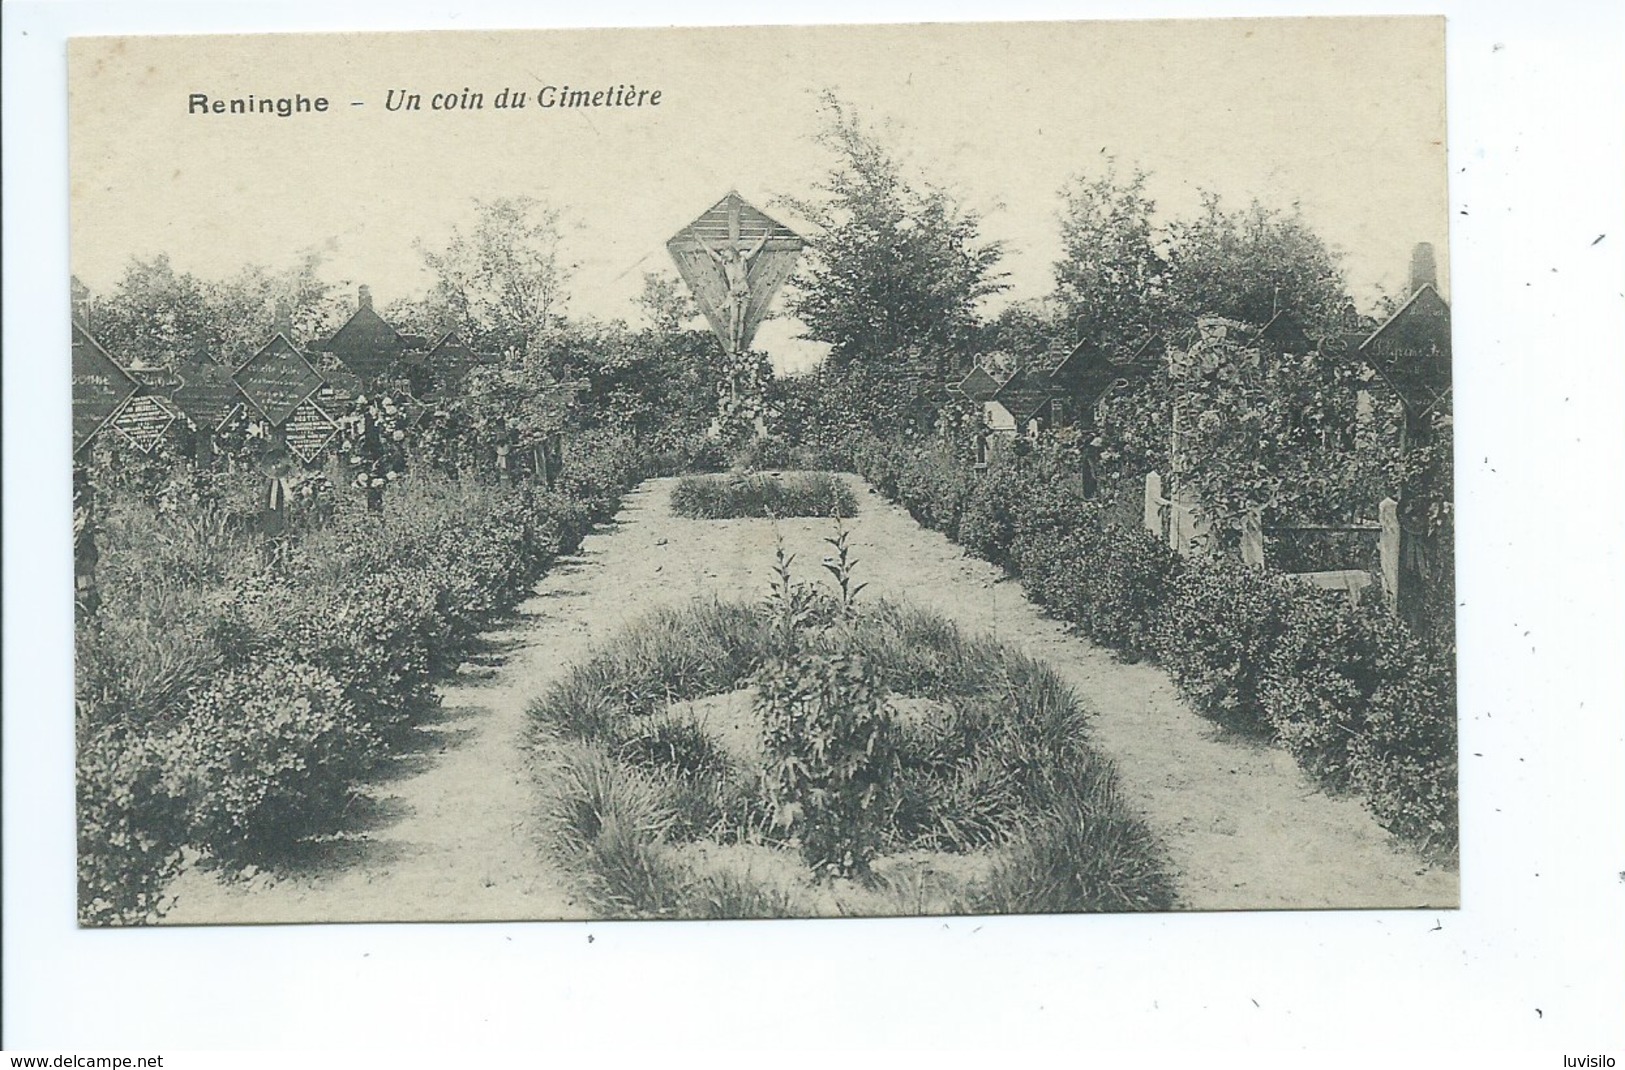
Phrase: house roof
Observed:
(366, 343)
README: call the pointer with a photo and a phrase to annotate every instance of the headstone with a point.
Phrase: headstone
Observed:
(309, 430)
(144, 420)
(979, 385)
(1252, 538)
(450, 359)
(207, 393)
(366, 344)
(1023, 395)
(278, 379)
(1284, 334)
(1388, 547)
(734, 258)
(1412, 351)
(100, 386)
(1087, 375)
(1154, 501)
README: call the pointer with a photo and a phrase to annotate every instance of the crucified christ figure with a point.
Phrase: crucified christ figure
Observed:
(735, 265)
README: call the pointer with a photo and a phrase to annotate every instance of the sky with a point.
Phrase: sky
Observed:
(1342, 117)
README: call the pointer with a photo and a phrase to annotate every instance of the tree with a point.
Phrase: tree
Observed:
(1025, 329)
(503, 278)
(895, 265)
(1250, 264)
(157, 316)
(666, 302)
(247, 306)
(1110, 279)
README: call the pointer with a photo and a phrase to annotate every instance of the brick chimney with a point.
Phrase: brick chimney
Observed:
(366, 297)
(1423, 270)
(284, 319)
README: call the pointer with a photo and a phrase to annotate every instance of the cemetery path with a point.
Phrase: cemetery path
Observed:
(451, 834)
(1245, 828)
(452, 837)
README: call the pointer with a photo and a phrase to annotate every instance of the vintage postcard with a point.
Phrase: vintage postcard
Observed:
(762, 472)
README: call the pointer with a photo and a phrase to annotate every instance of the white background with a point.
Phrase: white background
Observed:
(1534, 959)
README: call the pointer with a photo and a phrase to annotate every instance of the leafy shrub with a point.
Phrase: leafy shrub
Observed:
(730, 496)
(1112, 584)
(1319, 680)
(1252, 650)
(1405, 761)
(1223, 623)
(987, 526)
(132, 822)
(230, 703)
(271, 753)
(829, 745)
(1363, 705)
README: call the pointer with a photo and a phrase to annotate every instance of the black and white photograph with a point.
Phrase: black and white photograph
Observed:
(712, 474)
(829, 533)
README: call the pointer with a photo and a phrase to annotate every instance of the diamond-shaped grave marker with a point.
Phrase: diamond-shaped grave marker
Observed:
(978, 385)
(309, 430)
(1088, 374)
(144, 420)
(1023, 394)
(100, 386)
(278, 379)
(207, 393)
(1412, 351)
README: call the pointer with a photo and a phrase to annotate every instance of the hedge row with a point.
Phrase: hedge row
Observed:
(1361, 703)
(229, 706)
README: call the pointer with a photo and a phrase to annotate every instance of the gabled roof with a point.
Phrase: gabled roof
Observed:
(1411, 350)
(1059, 351)
(366, 343)
(451, 357)
(1076, 359)
(715, 223)
(1149, 350)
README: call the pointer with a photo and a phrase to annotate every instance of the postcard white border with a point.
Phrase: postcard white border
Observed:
(1533, 958)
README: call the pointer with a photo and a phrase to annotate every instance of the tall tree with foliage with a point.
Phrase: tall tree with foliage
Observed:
(1250, 264)
(158, 316)
(504, 277)
(894, 264)
(1110, 281)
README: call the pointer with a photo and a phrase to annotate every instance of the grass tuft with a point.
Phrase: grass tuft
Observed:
(732, 495)
(995, 783)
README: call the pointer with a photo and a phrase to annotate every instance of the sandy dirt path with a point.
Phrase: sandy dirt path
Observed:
(452, 837)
